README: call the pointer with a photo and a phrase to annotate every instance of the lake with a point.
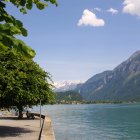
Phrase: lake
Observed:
(95, 121)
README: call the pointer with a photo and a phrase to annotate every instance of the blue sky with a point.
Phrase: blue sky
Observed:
(81, 38)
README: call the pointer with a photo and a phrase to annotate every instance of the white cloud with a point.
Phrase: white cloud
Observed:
(113, 11)
(89, 19)
(132, 7)
(97, 9)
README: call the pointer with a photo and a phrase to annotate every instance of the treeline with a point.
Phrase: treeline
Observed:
(68, 97)
(73, 97)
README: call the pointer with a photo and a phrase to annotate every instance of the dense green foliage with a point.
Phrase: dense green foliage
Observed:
(22, 81)
(68, 97)
(10, 27)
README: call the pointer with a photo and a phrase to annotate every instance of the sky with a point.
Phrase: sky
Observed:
(81, 38)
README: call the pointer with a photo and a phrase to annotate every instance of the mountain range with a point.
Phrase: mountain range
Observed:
(120, 84)
(66, 85)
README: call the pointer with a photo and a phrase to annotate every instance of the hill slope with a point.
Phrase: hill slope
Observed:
(68, 97)
(121, 84)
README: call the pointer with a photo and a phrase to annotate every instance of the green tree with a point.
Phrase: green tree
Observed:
(22, 82)
(10, 27)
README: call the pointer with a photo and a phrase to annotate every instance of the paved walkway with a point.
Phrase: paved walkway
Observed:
(13, 129)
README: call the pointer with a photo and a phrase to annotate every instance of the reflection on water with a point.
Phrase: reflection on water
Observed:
(95, 122)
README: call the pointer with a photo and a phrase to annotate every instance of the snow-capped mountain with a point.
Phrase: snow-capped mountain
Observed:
(66, 85)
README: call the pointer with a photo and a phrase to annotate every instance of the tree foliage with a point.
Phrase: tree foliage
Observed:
(22, 81)
(10, 27)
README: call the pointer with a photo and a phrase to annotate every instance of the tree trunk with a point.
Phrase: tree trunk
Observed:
(20, 109)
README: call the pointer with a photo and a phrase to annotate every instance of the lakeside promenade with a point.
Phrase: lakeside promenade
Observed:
(13, 129)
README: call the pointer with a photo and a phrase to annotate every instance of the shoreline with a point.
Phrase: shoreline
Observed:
(97, 102)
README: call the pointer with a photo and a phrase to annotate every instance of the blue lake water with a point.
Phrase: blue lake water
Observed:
(95, 121)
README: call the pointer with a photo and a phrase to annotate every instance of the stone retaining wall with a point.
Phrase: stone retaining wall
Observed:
(46, 132)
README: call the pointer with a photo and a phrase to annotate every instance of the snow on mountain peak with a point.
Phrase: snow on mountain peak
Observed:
(66, 85)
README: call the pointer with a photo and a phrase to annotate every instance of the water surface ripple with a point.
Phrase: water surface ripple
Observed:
(95, 121)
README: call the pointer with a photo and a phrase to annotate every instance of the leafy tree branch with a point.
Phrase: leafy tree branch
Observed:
(10, 27)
